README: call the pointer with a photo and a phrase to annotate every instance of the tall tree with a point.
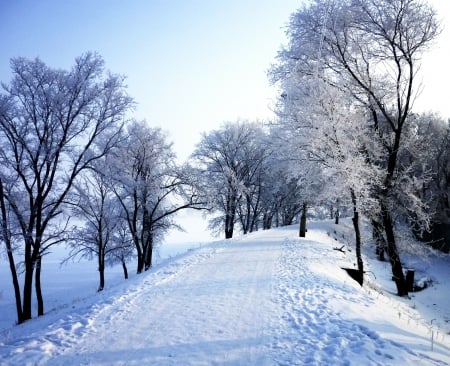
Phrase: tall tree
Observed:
(371, 49)
(57, 123)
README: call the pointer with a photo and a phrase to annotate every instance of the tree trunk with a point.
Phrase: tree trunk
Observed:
(230, 214)
(394, 258)
(140, 264)
(9, 252)
(139, 254)
(16, 286)
(148, 257)
(379, 239)
(302, 233)
(247, 219)
(355, 220)
(101, 285)
(125, 270)
(229, 233)
(148, 247)
(337, 213)
(229, 225)
(39, 298)
(101, 270)
(267, 221)
(28, 281)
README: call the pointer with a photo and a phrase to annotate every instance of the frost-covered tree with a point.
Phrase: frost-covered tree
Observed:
(281, 202)
(301, 173)
(341, 145)
(98, 232)
(230, 164)
(123, 248)
(371, 49)
(255, 155)
(150, 187)
(53, 125)
(281, 194)
(429, 157)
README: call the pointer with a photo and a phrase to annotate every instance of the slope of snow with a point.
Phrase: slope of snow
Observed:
(268, 298)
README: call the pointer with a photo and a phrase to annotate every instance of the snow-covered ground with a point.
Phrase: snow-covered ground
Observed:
(268, 298)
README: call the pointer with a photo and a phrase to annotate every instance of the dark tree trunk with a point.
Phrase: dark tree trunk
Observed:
(140, 264)
(302, 233)
(9, 252)
(148, 256)
(139, 253)
(267, 221)
(101, 284)
(148, 245)
(101, 270)
(394, 258)
(229, 224)
(37, 279)
(229, 233)
(337, 213)
(379, 239)
(125, 270)
(16, 286)
(247, 219)
(254, 222)
(28, 281)
(230, 211)
(355, 220)
(229, 220)
(27, 292)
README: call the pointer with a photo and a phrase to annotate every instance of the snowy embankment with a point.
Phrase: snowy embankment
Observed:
(268, 298)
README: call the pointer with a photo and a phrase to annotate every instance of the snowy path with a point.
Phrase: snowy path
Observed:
(265, 299)
(204, 312)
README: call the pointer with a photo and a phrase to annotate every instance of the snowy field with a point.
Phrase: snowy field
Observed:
(268, 298)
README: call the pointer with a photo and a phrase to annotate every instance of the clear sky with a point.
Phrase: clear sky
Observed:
(191, 64)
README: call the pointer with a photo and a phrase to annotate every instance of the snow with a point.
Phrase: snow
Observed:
(267, 298)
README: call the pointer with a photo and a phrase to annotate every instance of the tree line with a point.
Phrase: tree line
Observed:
(75, 169)
(349, 80)
(346, 131)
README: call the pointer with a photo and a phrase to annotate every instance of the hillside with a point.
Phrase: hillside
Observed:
(268, 298)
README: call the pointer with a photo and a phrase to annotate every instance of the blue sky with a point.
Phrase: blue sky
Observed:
(191, 64)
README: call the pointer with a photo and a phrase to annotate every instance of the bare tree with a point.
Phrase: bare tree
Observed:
(57, 123)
